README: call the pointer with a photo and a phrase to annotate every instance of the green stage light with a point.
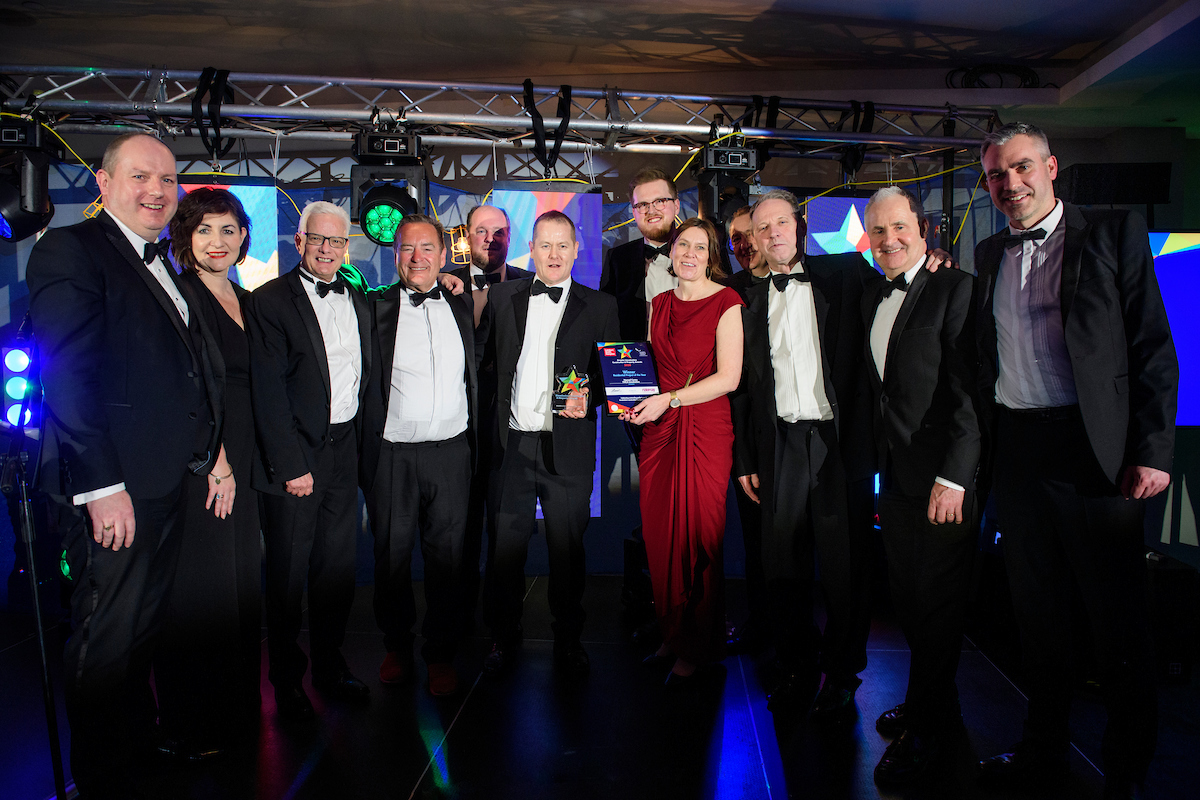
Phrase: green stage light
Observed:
(383, 208)
(16, 388)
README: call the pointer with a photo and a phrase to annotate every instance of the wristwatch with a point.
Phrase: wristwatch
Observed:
(675, 401)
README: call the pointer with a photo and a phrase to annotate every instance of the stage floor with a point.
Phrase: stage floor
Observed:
(616, 734)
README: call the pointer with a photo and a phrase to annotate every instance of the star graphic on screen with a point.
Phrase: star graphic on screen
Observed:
(850, 238)
(571, 383)
(625, 352)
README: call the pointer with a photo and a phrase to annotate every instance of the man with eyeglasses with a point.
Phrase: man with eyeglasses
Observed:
(636, 271)
(310, 357)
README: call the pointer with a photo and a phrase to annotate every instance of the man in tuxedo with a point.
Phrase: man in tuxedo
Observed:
(488, 231)
(753, 635)
(1080, 378)
(310, 356)
(418, 445)
(920, 347)
(636, 271)
(803, 450)
(543, 339)
(132, 402)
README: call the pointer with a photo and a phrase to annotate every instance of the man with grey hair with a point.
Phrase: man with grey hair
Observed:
(921, 346)
(1079, 378)
(310, 357)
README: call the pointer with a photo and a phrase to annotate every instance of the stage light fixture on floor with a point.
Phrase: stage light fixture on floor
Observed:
(25, 206)
(387, 184)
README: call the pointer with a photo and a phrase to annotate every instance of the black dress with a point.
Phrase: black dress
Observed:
(207, 667)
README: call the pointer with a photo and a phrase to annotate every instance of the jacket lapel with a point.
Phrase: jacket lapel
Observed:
(757, 345)
(1076, 237)
(305, 309)
(387, 317)
(906, 308)
(362, 310)
(521, 312)
(870, 306)
(575, 306)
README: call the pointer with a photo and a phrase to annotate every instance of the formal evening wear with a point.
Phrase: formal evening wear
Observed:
(1055, 468)
(684, 465)
(305, 351)
(635, 275)
(132, 400)
(921, 347)
(207, 666)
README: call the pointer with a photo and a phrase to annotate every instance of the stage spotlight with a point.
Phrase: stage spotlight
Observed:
(25, 206)
(387, 184)
(381, 210)
(20, 386)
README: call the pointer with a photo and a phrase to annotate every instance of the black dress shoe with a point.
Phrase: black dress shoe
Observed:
(1024, 767)
(895, 721)
(291, 703)
(571, 659)
(495, 661)
(345, 687)
(793, 694)
(836, 697)
(906, 759)
(892, 723)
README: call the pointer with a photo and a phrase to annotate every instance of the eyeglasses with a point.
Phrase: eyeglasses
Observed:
(317, 240)
(659, 205)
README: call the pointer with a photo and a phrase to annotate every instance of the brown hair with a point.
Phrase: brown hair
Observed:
(714, 270)
(192, 209)
(555, 216)
(413, 219)
(650, 175)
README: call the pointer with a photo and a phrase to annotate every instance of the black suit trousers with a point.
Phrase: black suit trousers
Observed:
(118, 606)
(1062, 525)
(809, 518)
(313, 538)
(527, 476)
(419, 487)
(929, 571)
(480, 517)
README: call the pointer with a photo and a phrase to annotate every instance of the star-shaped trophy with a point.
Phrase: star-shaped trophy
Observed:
(571, 388)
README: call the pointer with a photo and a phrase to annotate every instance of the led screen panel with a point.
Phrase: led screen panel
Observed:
(1177, 266)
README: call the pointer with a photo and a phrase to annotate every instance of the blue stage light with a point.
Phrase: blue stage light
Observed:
(16, 360)
(14, 414)
(16, 388)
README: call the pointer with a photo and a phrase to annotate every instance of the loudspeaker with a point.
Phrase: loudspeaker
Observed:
(1115, 184)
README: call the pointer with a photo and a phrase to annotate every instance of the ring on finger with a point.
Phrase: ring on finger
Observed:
(108, 527)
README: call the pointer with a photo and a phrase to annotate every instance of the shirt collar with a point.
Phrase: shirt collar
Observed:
(1048, 224)
(135, 240)
(566, 285)
(911, 273)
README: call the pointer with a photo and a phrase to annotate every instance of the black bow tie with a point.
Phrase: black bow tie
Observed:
(487, 279)
(898, 284)
(555, 292)
(337, 285)
(160, 249)
(418, 298)
(653, 252)
(1015, 240)
(781, 281)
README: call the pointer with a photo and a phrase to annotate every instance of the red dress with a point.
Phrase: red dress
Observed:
(684, 465)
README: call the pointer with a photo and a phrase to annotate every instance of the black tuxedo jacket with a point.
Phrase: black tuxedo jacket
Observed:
(924, 409)
(1122, 353)
(511, 273)
(590, 317)
(838, 283)
(131, 394)
(624, 277)
(385, 314)
(289, 377)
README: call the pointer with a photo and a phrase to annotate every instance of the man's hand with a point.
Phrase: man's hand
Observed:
(577, 405)
(450, 283)
(945, 505)
(1139, 483)
(112, 520)
(750, 486)
(939, 258)
(301, 486)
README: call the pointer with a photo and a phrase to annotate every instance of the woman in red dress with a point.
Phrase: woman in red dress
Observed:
(687, 450)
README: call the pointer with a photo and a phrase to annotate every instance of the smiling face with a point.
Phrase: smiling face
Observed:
(897, 236)
(1020, 178)
(142, 190)
(657, 218)
(217, 242)
(689, 255)
(420, 256)
(553, 250)
(323, 260)
(489, 238)
(777, 232)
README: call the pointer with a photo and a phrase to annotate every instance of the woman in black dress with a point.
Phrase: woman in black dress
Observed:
(207, 670)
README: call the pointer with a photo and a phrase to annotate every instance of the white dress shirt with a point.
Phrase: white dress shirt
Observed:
(159, 270)
(1034, 365)
(881, 334)
(533, 383)
(658, 280)
(796, 352)
(343, 347)
(428, 398)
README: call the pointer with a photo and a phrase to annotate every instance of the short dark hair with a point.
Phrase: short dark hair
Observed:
(194, 206)
(1004, 134)
(714, 270)
(471, 213)
(111, 153)
(413, 219)
(650, 175)
(555, 216)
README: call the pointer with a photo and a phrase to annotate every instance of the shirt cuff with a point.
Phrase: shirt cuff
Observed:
(948, 484)
(87, 497)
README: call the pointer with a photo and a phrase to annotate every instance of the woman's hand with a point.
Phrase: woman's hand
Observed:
(221, 488)
(649, 409)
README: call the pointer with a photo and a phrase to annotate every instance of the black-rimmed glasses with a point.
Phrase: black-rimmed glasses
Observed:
(317, 240)
(658, 204)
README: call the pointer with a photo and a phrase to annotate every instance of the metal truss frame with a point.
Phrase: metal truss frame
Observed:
(480, 115)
